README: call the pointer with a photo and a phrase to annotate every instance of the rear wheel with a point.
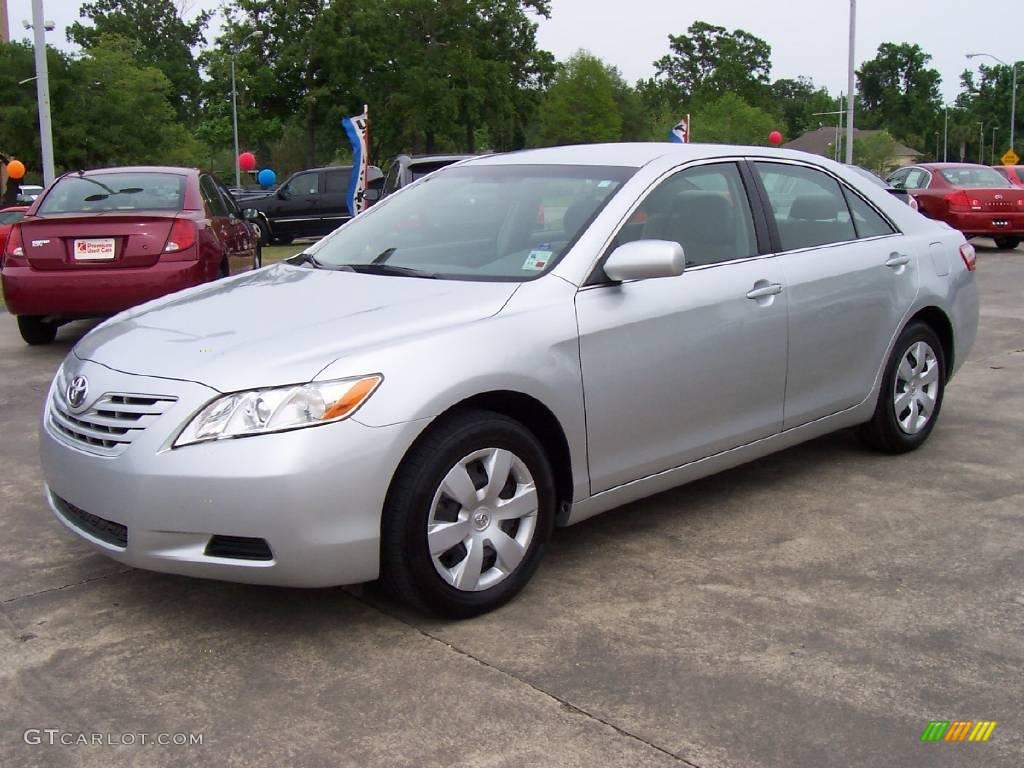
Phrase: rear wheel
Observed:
(264, 233)
(35, 330)
(283, 240)
(467, 515)
(1006, 243)
(912, 389)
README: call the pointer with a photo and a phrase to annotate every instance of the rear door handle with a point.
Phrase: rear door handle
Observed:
(773, 289)
(897, 260)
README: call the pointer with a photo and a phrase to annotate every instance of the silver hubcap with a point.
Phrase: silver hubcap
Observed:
(482, 519)
(917, 388)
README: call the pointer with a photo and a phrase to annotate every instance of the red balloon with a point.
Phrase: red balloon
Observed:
(775, 138)
(247, 161)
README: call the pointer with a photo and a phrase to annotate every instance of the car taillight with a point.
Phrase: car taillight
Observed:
(183, 235)
(912, 202)
(961, 201)
(969, 256)
(13, 251)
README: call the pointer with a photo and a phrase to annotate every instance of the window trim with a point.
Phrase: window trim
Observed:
(208, 210)
(843, 185)
(596, 277)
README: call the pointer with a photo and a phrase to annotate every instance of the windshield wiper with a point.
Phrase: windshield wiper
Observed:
(309, 258)
(391, 269)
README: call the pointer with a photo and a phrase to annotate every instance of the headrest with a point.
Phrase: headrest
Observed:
(815, 208)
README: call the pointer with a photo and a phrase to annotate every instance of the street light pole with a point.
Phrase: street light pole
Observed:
(851, 85)
(257, 35)
(992, 148)
(1013, 92)
(981, 142)
(43, 91)
(945, 137)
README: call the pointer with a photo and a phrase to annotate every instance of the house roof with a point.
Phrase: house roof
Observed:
(821, 141)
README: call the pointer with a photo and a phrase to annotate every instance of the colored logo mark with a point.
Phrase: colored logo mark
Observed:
(958, 730)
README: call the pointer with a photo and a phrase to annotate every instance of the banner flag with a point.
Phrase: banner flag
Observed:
(358, 130)
(680, 132)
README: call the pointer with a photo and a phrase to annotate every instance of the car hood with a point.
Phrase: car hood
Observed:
(281, 325)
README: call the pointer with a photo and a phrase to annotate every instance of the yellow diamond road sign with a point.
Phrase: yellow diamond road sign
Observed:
(1010, 158)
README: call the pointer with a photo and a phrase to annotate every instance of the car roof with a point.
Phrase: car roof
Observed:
(634, 155)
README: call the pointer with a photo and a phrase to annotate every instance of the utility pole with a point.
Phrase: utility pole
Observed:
(5, 30)
(43, 91)
(851, 86)
(945, 137)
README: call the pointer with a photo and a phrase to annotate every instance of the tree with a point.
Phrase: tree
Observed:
(986, 99)
(899, 92)
(709, 60)
(875, 152)
(730, 120)
(580, 106)
(160, 38)
(797, 101)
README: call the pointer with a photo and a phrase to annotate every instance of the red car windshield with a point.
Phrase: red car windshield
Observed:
(974, 177)
(115, 192)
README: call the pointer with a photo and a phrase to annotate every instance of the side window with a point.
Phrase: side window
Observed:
(211, 196)
(704, 209)
(868, 222)
(304, 184)
(899, 179)
(391, 180)
(229, 200)
(336, 182)
(808, 206)
(916, 179)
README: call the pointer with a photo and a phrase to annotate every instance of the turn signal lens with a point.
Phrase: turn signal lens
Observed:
(351, 399)
(183, 235)
(13, 250)
(969, 256)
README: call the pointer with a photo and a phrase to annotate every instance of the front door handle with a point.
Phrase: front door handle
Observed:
(763, 291)
(897, 260)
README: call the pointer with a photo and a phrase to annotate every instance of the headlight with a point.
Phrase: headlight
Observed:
(272, 410)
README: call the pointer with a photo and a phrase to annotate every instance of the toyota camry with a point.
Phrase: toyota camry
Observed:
(420, 397)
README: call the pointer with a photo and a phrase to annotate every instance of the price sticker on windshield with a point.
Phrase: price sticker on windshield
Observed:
(98, 249)
(537, 260)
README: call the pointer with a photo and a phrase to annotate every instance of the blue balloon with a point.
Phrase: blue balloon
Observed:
(266, 178)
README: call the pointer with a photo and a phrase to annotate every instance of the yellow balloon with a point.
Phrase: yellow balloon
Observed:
(16, 169)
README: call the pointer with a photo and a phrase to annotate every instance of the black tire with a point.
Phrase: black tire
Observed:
(36, 331)
(407, 568)
(884, 432)
(1006, 243)
(265, 238)
(282, 240)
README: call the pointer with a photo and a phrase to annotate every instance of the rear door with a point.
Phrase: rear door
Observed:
(850, 278)
(242, 255)
(334, 201)
(217, 213)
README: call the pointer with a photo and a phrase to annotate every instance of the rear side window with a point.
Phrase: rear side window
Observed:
(115, 192)
(808, 205)
(211, 197)
(304, 184)
(867, 221)
(336, 181)
(10, 217)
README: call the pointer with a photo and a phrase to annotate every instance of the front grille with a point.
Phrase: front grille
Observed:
(104, 530)
(110, 424)
(238, 548)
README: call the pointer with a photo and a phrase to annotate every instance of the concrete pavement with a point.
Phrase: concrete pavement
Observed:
(816, 608)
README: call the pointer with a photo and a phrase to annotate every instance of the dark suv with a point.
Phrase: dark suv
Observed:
(309, 204)
(404, 170)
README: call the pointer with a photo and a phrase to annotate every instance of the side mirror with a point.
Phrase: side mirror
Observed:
(371, 195)
(645, 259)
(283, 193)
(250, 214)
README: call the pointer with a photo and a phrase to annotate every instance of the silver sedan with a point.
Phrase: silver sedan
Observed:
(514, 342)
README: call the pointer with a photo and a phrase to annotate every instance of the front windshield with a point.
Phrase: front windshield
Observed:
(476, 222)
(974, 177)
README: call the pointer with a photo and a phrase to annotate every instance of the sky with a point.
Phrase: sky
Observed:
(808, 37)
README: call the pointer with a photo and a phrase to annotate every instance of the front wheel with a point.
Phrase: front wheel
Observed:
(1006, 243)
(467, 516)
(912, 389)
(36, 331)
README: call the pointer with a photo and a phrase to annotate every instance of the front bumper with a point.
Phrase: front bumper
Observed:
(93, 293)
(313, 495)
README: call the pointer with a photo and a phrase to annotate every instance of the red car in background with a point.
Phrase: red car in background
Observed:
(98, 242)
(1013, 173)
(974, 199)
(8, 218)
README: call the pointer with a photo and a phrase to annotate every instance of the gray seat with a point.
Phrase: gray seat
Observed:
(704, 223)
(815, 219)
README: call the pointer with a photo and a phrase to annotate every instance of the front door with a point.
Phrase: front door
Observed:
(297, 212)
(334, 201)
(680, 368)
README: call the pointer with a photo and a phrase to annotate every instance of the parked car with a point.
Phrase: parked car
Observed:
(422, 398)
(9, 217)
(403, 170)
(100, 241)
(1013, 173)
(900, 194)
(974, 199)
(28, 193)
(310, 203)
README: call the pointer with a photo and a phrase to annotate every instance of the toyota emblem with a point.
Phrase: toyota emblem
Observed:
(77, 390)
(999, 197)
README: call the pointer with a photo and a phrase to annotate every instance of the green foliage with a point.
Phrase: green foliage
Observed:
(159, 38)
(899, 92)
(797, 101)
(580, 107)
(731, 120)
(875, 152)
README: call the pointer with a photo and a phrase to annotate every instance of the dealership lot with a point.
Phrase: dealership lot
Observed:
(818, 607)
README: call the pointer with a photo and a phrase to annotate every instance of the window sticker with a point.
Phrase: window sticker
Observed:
(537, 260)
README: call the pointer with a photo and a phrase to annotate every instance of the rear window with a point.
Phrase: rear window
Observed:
(115, 192)
(974, 177)
(9, 217)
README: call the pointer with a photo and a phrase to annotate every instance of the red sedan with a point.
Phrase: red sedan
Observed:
(1013, 173)
(972, 198)
(8, 218)
(98, 242)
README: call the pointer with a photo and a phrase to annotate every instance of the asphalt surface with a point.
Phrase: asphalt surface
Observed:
(815, 608)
